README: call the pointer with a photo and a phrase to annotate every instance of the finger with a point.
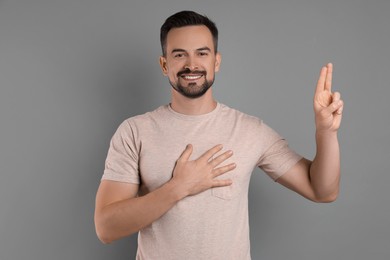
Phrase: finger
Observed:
(221, 183)
(338, 116)
(210, 153)
(340, 110)
(328, 81)
(218, 160)
(321, 80)
(332, 108)
(336, 96)
(224, 169)
(185, 156)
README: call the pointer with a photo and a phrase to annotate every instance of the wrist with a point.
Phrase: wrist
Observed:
(321, 134)
(176, 190)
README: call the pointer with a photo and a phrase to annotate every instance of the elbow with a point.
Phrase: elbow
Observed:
(105, 240)
(103, 235)
(107, 236)
(102, 231)
(107, 233)
(326, 199)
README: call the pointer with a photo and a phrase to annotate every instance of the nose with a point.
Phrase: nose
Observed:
(190, 64)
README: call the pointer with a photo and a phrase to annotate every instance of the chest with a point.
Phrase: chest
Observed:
(164, 145)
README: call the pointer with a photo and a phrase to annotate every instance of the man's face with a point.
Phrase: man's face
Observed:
(191, 61)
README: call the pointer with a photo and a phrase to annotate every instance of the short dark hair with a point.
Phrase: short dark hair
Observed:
(186, 18)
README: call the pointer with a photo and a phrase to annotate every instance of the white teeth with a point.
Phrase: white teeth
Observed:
(192, 77)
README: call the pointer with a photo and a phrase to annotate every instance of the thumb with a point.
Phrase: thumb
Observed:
(333, 107)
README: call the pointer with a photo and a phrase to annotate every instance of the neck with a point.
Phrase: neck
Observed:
(197, 106)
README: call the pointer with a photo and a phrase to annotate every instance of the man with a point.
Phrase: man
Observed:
(179, 175)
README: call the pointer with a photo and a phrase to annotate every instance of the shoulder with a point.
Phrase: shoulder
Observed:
(236, 115)
(147, 118)
(135, 124)
(249, 123)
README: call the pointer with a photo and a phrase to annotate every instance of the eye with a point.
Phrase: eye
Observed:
(203, 54)
(178, 55)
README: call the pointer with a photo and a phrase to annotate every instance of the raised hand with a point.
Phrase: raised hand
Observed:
(328, 106)
(200, 174)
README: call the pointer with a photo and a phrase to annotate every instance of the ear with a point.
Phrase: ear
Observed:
(163, 65)
(218, 58)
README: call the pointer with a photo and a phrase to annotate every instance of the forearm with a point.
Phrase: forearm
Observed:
(117, 217)
(123, 218)
(325, 168)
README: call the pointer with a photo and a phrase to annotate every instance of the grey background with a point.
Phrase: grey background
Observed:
(71, 71)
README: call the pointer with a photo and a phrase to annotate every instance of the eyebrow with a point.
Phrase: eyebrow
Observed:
(204, 49)
(178, 50)
(199, 49)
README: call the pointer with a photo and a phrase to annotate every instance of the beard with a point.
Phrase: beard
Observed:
(192, 90)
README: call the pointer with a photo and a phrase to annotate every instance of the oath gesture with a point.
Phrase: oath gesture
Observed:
(200, 174)
(328, 106)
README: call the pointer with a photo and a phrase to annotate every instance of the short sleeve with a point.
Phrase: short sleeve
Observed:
(278, 157)
(122, 157)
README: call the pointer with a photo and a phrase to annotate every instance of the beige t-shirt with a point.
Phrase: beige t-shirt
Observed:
(213, 224)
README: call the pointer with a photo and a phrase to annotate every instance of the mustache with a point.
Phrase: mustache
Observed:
(188, 71)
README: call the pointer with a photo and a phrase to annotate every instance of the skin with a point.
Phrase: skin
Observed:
(182, 38)
(318, 180)
(119, 212)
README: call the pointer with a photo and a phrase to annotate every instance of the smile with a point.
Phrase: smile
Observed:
(191, 77)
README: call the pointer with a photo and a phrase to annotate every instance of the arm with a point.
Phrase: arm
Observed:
(318, 180)
(119, 212)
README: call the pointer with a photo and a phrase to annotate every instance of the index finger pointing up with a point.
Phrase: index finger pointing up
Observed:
(321, 80)
(325, 80)
(328, 81)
